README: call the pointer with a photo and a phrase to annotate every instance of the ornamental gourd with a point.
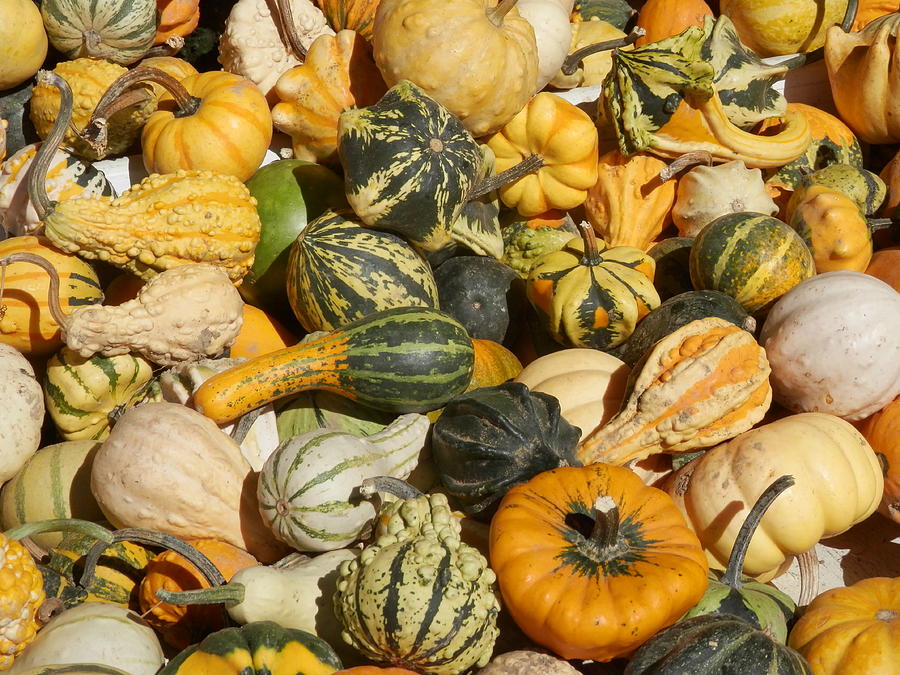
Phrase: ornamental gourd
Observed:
(882, 431)
(24, 43)
(22, 414)
(355, 15)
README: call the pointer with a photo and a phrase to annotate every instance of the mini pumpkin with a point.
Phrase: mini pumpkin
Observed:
(882, 431)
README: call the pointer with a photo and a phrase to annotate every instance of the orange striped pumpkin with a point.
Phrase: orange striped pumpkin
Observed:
(25, 320)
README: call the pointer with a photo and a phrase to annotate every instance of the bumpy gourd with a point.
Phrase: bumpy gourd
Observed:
(438, 612)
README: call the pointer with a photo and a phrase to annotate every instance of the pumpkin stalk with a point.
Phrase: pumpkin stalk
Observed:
(573, 60)
(228, 595)
(392, 486)
(528, 165)
(497, 14)
(170, 47)
(37, 177)
(289, 28)
(735, 567)
(808, 563)
(685, 161)
(591, 255)
(603, 542)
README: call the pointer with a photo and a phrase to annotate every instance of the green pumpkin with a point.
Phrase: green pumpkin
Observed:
(492, 438)
(865, 188)
(591, 297)
(256, 648)
(714, 644)
(409, 165)
(752, 257)
(730, 592)
(340, 271)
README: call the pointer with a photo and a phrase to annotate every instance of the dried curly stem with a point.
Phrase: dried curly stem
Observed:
(497, 14)
(603, 541)
(172, 45)
(573, 60)
(393, 486)
(591, 254)
(37, 176)
(289, 28)
(809, 576)
(685, 161)
(85, 527)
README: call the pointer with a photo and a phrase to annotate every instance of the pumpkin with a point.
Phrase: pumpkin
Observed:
(527, 239)
(313, 409)
(176, 17)
(616, 12)
(24, 43)
(882, 431)
(811, 370)
(564, 137)
(665, 18)
(838, 483)
(120, 31)
(890, 174)
(860, 72)
(574, 543)
(27, 322)
(338, 73)
(706, 642)
(852, 629)
(355, 15)
(552, 34)
(340, 271)
(772, 28)
(629, 205)
(437, 51)
(490, 439)
(23, 411)
(752, 257)
(885, 265)
(701, 384)
(587, 295)
(260, 334)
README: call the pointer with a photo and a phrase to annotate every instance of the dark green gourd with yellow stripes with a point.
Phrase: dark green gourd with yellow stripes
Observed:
(340, 271)
(409, 165)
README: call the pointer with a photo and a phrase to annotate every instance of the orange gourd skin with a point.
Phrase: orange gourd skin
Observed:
(229, 133)
(494, 364)
(665, 18)
(180, 625)
(890, 174)
(176, 17)
(882, 431)
(356, 15)
(172, 65)
(885, 265)
(260, 334)
(869, 10)
(852, 630)
(564, 596)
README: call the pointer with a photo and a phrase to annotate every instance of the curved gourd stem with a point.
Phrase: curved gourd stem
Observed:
(56, 310)
(591, 255)
(528, 165)
(603, 542)
(818, 54)
(172, 45)
(286, 13)
(91, 41)
(734, 570)
(808, 563)
(228, 595)
(393, 486)
(497, 14)
(573, 60)
(85, 527)
(37, 177)
(685, 161)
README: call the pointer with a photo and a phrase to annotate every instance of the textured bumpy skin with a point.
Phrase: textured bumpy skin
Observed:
(164, 221)
(21, 593)
(183, 314)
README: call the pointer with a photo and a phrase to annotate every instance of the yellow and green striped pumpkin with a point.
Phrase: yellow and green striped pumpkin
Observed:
(256, 648)
(81, 393)
(124, 29)
(752, 257)
(340, 271)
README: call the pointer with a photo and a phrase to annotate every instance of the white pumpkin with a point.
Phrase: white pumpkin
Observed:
(589, 384)
(552, 33)
(833, 342)
(21, 414)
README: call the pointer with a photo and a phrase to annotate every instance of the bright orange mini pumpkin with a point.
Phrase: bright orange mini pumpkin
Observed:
(494, 364)
(591, 562)
(176, 17)
(665, 18)
(882, 430)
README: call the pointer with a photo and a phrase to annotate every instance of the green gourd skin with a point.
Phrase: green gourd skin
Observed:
(865, 188)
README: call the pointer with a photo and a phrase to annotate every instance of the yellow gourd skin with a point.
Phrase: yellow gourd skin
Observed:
(23, 40)
(22, 595)
(776, 27)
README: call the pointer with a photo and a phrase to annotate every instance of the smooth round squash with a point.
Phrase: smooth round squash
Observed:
(665, 18)
(23, 40)
(494, 364)
(775, 27)
(885, 265)
(882, 430)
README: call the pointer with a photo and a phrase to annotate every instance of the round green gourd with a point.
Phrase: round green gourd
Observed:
(752, 257)
(339, 271)
(492, 438)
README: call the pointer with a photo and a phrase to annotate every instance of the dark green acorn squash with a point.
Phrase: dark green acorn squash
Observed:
(256, 648)
(484, 295)
(715, 644)
(339, 271)
(492, 438)
(409, 165)
(673, 272)
(752, 257)
(676, 312)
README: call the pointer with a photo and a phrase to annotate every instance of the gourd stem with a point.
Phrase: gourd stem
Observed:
(85, 527)
(286, 12)
(809, 576)
(734, 570)
(37, 177)
(91, 40)
(818, 54)
(688, 159)
(528, 165)
(229, 594)
(573, 60)
(170, 47)
(876, 224)
(56, 310)
(605, 533)
(393, 486)
(497, 14)
(591, 255)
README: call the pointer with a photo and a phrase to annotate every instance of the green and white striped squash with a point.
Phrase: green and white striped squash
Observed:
(82, 393)
(307, 489)
(55, 483)
(753, 257)
(409, 165)
(418, 597)
(339, 271)
(116, 30)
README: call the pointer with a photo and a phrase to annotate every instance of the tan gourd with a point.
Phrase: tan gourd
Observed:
(23, 411)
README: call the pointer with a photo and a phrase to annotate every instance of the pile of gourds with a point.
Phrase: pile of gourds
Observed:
(554, 334)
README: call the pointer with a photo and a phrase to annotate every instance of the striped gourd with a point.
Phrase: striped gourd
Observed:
(117, 30)
(339, 271)
(81, 393)
(408, 165)
(307, 487)
(409, 359)
(418, 597)
(54, 483)
(752, 257)
(25, 319)
(357, 15)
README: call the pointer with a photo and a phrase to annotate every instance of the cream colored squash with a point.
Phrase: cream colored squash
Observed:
(833, 343)
(552, 33)
(589, 384)
(21, 411)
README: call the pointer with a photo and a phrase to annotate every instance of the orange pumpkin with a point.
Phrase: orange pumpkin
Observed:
(591, 562)
(882, 430)
(494, 364)
(176, 17)
(665, 18)
(260, 334)
(885, 265)
(122, 288)
(182, 625)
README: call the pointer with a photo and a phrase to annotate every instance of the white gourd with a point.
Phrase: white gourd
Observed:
(22, 411)
(552, 33)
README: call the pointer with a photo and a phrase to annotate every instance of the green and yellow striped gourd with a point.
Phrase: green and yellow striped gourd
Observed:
(340, 271)
(82, 393)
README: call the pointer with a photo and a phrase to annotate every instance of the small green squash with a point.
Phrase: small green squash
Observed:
(752, 257)
(256, 648)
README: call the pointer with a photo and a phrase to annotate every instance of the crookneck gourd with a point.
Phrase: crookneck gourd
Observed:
(702, 384)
